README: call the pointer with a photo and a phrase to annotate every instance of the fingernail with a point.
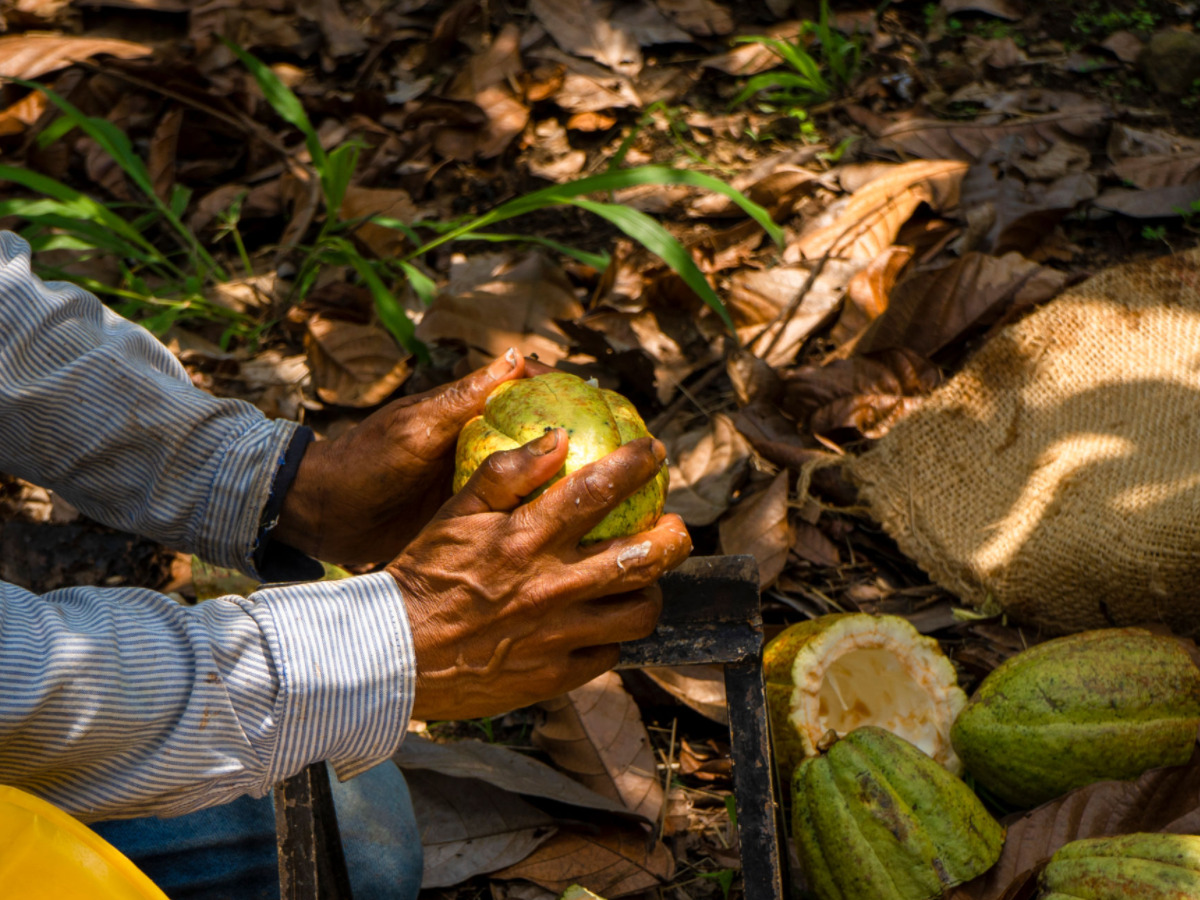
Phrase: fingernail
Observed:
(504, 364)
(659, 451)
(545, 444)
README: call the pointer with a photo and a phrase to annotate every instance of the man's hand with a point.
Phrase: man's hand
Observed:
(505, 607)
(362, 497)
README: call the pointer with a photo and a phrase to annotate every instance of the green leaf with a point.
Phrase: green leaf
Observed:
(424, 286)
(651, 235)
(598, 261)
(283, 101)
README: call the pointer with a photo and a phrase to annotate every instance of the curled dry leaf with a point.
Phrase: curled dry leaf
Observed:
(595, 733)
(758, 300)
(1155, 203)
(701, 688)
(866, 223)
(610, 861)
(485, 81)
(866, 394)
(1153, 159)
(16, 118)
(707, 464)
(582, 28)
(1005, 213)
(759, 526)
(354, 365)
(34, 55)
(867, 296)
(932, 309)
(1166, 800)
(470, 827)
(392, 203)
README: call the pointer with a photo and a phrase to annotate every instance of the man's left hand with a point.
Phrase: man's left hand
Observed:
(362, 497)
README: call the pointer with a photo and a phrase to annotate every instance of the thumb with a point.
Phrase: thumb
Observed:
(450, 408)
(506, 478)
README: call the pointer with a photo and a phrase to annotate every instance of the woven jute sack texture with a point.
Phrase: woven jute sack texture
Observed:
(1058, 473)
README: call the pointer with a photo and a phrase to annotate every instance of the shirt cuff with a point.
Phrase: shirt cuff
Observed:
(275, 561)
(344, 658)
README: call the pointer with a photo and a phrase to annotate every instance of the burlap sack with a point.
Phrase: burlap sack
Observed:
(1058, 474)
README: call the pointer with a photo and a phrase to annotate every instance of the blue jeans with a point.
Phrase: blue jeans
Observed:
(228, 852)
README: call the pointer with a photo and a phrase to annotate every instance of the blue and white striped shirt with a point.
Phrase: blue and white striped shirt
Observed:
(119, 702)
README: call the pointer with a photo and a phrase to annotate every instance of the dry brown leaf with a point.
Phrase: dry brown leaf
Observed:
(812, 544)
(392, 203)
(759, 526)
(587, 87)
(867, 296)
(932, 309)
(1166, 800)
(1005, 213)
(470, 827)
(595, 733)
(701, 688)
(647, 25)
(354, 365)
(550, 156)
(609, 861)
(502, 767)
(1153, 159)
(342, 37)
(1156, 203)
(867, 394)
(583, 28)
(16, 118)
(160, 161)
(760, 297)
(485, 81)
(753, 58)
(968, 141)
(33, 55)
(703, 18)
(867, 222)
(1124, 45)
(518, 308)
(707, 464)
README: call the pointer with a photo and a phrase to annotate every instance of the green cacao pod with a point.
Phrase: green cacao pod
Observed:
(840, 672)
(1093, 706)
(877, 819)
(1127, 867)
(597, 421)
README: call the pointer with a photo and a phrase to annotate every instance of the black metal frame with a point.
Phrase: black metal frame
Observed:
(710, 615)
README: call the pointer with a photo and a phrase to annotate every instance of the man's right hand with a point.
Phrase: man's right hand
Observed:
(505, 607)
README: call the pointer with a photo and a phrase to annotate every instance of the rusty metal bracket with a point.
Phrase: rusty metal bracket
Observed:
(710, 615)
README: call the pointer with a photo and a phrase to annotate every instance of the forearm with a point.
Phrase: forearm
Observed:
(121, 702)
(95, 408)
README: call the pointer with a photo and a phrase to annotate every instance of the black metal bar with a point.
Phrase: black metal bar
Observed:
(754, 781)
(311, 863)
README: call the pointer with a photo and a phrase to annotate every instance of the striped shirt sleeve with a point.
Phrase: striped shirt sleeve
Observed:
(93, 407)
(121, 702)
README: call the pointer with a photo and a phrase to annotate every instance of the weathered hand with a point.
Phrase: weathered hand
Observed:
(363, 496)
(506, 608)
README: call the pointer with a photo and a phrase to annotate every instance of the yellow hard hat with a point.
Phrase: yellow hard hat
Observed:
(46, 854)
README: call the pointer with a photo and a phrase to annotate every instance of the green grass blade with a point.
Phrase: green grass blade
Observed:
(391, 313)
(560, 194)
(284, 102)
(651, 235)
(424, 286)
(597, 261)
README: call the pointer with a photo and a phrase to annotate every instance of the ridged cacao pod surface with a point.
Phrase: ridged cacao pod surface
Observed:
(1126, 867)
(874, 818)
(597, 421)
(1088, 707)
(840, 672)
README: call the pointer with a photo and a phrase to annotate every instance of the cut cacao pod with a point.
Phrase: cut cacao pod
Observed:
(828, 676)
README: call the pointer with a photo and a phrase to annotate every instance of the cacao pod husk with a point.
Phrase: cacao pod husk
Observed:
(876, 818)
(597, 421)
(1125, 867)
(1095, 706)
